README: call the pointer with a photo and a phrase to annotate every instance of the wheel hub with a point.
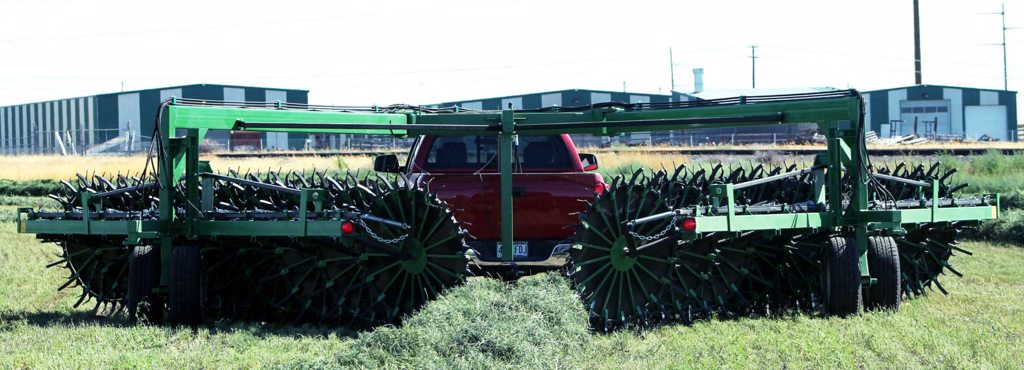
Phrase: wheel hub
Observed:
(620, 256)
(415, 260)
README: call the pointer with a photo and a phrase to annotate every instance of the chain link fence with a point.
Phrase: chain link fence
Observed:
(123, 142)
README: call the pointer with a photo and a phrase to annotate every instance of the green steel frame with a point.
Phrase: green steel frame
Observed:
(839, 116)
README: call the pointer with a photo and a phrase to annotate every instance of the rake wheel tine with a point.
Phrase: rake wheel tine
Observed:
(82, 181)
(637, 173)
(953, 270)
(81, 299)
(939, 285)
(72, 279)
(947, 175)
(899, 167)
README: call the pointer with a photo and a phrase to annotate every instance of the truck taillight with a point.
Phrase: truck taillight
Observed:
(599, 188)
(689, 224)
(347, 228)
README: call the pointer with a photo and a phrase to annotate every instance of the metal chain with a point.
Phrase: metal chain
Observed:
(658, 235)
(374, 235)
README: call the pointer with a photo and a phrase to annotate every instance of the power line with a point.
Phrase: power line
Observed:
(372, 74)
(1002, 16)
(390, 73)
(898, 59)
(863, 66)
(233, 25)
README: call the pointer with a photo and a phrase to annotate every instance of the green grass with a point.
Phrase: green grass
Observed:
(1008, 228)
(536, 323)
(36, 188)
(992, 172)
(9, 205)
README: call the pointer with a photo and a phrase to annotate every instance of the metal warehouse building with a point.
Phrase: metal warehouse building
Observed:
(566, 98)
(562, 98)
(937, 112)
(571, 98)
(943, 112)
(123, 121)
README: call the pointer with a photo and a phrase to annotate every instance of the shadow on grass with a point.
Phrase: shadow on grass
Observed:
(62, 318)
(268, 330)
(44, 319)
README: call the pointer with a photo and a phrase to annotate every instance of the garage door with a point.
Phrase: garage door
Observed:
(930, 116)
(986, 120)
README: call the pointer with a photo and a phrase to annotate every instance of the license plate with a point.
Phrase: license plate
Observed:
(519, 249)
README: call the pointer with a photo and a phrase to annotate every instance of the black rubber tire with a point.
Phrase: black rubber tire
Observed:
(143, 278)
(841, 277)
(884, 266)
(186, 290)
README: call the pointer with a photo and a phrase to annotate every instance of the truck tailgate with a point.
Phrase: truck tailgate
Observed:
(545, 205)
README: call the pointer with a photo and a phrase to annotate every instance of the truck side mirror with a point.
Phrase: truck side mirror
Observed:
(387, 163)
(589, 161)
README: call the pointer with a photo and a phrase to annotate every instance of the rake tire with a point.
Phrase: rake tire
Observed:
(143, 277)
(841, 280)
(884, 265)
(186, 290)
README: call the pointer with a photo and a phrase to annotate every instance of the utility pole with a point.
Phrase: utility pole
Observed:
(753, 66)
(917, 46)
(672, 69)
(1003, 14)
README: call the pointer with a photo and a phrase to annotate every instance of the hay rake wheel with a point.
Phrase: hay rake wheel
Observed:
(233, 286)
(794, 263)
(925, 249)
(411, 264)
(323, 282)
(99, 265)
(265, 266)
(717, 274)
(621, 271)
(924, 256)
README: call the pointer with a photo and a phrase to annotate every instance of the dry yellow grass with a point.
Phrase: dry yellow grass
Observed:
(362, 162)
(614, 160)
(930, 145)
(38, 167)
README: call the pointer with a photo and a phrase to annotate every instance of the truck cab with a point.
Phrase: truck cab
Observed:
(551, 184)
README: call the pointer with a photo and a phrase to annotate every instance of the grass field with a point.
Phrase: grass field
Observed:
(537, 323)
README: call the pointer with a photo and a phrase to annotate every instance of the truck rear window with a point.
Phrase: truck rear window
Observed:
(478, 152)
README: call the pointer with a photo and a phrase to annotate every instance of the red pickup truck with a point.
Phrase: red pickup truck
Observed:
(551, 183)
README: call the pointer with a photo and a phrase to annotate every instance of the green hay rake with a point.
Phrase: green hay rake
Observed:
(667, 245)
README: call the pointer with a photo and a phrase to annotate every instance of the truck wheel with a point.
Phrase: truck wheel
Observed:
(841, 277)
(884, 265)
(143, 277)
(186, 290)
